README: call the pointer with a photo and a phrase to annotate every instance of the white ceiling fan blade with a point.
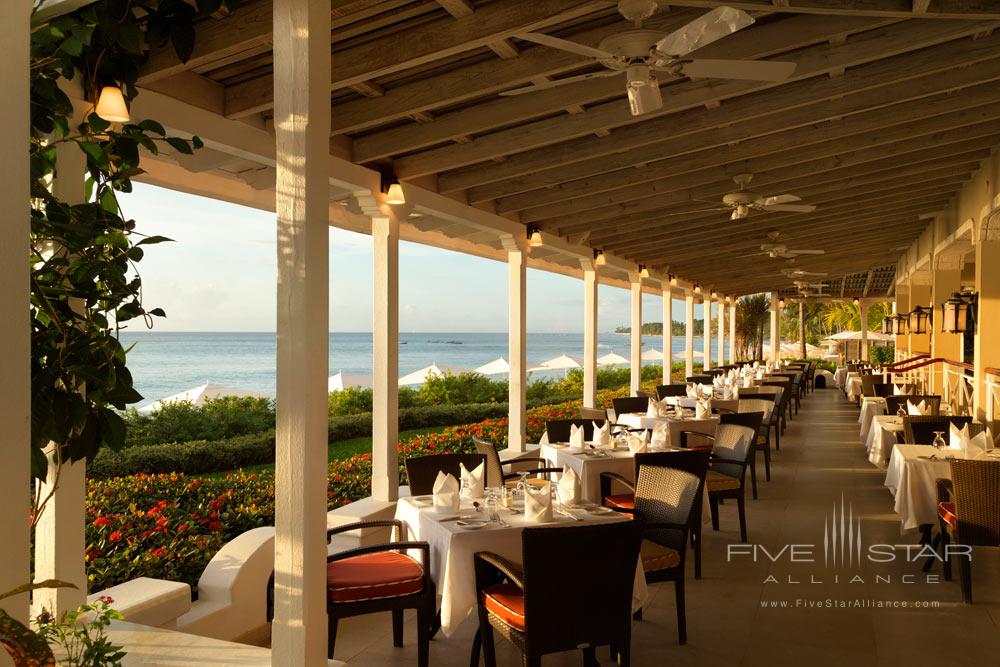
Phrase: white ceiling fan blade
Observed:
(791, 208)
(558, 82)
(777, 199)
(714, 25)
(746, 70)
(564, 45)
(806, 252)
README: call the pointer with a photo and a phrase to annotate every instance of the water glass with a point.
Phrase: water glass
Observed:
(939, 439)
(492, 505)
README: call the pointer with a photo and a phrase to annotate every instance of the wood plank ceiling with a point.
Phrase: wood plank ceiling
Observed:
(892, 106)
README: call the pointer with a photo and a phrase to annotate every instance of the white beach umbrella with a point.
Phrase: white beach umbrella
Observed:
(343, 380)
(612, 359)
(652, 355)
(498, 366)
(680, 356)
(421, 376)
(873, 336)
(561, 363)
(198, 395)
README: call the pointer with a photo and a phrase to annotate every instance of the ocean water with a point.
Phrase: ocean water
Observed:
(165, 363)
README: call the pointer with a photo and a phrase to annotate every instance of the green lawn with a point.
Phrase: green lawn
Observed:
(342, 449)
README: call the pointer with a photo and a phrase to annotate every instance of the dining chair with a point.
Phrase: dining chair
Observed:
(668, 496)
(892, 403)
(762, 443)
(773, 419)
(545, 605)
(598, 414)
(627, 404)
(421, 471)
(920, 429)
(795, 395)
(890, 389)
(378, 578)
(665, 390)
(700, 379)
(969, 513)
(495, 475)
(872, 384)
(783, 401)
(732, 454)
(558, 430)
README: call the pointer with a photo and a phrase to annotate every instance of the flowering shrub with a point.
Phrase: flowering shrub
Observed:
(169, 526)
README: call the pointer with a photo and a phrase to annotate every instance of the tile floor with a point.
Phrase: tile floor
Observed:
(730, 620)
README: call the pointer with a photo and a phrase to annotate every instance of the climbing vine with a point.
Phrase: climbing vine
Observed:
(85, 287)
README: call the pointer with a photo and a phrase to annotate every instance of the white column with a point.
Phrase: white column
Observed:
(986, 350)
(706, 304)
(722, 331)
(775, 330)
(668, 334)
(385, 366)
(863, 311)
(688, 334)
(60, 541)
(635, 359)
(732, 331)
(589, 335)
(517, 341)
(15, 329)
(302, 136)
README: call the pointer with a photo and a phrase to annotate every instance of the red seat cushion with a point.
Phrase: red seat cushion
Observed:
(623, 501)
(506, 602)
(386, 574)
(947, 512)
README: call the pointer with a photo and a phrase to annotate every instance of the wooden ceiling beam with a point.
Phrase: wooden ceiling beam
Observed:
(757, 42)
(912, 164)
(475, 80)
(745, 158)
(943, 9)
(813, 61)
(420, 45)
(747, 119)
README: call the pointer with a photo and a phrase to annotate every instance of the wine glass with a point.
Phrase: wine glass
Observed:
(939, 442)
(901, 412)
(492, 506)
(522, 484)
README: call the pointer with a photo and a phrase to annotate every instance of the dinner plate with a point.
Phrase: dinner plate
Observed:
(471, 525)
(598, 509)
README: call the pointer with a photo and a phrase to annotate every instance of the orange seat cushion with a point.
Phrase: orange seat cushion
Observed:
(717, 481)
(947, 512)
(386, 574)
(657, 557)
(623, 501)
(506, 602)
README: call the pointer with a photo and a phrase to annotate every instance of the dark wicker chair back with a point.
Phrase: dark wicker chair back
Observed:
(976, 488)
(421, 471)
(630, 404)
(700, 379)
(558, 430)
(872, 384)
(669, 490)
(599, 414)
(919, 430)
(905, 389)
(665, 390)
(494, 468)
(562, 618)
(892, 403)
(735, 443)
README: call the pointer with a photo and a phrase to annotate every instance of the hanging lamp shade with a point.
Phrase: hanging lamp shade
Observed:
(955, 314)
(395, 195)
(919, 320)
(111, 105)
(899, 325)
(887, 323)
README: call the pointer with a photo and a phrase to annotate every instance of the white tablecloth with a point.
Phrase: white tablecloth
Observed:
(882, 438)
(870, 406)
(840, 376)
(589, 468)
(453, 547)
(913, 482)
(675, 426)
(853, 387)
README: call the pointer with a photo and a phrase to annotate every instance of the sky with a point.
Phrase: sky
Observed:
(219, 275)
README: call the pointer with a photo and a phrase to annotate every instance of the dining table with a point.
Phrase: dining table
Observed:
(840, 376)
(674, 424)
(455, 537)
(870, 407)
(853, 386)
(882, 438)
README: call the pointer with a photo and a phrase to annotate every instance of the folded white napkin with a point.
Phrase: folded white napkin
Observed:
(544, 440)
(972, 447)
(538, 502)
(747, 382)
(637, 444)
(918, 409)
(703, 410)
(691, 390)
(899, 391)
(474, 482)
(602, 434)
(446, 493)
(569, 487)
(661, 435)
(717, 381)
(759, 374)
(653, 408)
(576, 436)
(707, 390)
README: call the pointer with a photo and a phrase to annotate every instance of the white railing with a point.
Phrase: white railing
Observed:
(959, 391)
(993, 406)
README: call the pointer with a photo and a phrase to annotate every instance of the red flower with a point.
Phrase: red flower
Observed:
(215, 525)
(102, 522)
(115, 536)
(158, 552)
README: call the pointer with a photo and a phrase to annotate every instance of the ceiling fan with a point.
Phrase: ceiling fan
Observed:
(774, 250)
(743, 201)
(800, 273)
(641, 54)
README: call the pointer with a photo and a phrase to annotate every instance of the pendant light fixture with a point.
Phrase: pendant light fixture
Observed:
(899, 325)
(643, 271)
(535, 237)
(111, 105)
(955, 314)
(919, 319)
(599, 259)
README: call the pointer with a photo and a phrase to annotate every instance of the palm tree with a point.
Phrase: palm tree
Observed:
(752, 313)
(839, 316)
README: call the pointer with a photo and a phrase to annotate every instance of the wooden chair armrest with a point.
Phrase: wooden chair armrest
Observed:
(395, 524)
(491, 567)
(423, 547)
(684, 437)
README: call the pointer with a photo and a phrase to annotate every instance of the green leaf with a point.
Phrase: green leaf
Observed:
(150, 240)
(180, 145)
(152, 126)
(182, 38)
(157, 312)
